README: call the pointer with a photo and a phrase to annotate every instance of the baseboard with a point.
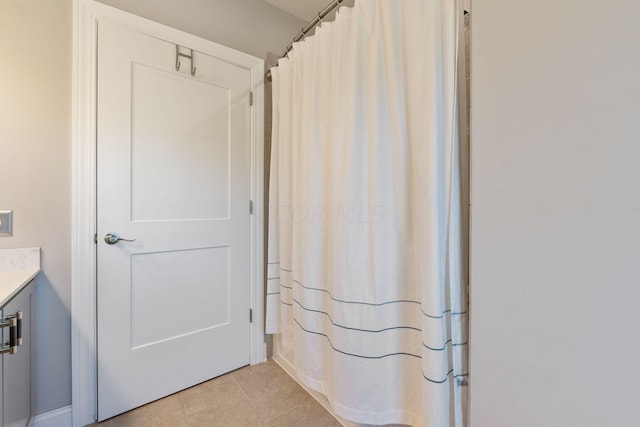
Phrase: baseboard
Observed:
(60, 417)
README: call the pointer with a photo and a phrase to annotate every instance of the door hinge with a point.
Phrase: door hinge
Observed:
(250, 98)
(251, 315)
(250, 207)
(95, 238)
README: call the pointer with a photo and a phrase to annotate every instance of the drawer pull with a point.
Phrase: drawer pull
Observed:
(10, 346)
(19, 328)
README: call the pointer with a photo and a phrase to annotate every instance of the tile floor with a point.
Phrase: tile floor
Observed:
(261, 395)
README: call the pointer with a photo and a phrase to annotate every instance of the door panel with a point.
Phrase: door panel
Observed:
(201, 305)
(192, 133)
(173, 174)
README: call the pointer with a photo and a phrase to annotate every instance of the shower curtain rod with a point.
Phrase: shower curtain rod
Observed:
(324, 12)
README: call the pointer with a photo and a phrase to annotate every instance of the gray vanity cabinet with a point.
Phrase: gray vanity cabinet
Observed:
(15, 394)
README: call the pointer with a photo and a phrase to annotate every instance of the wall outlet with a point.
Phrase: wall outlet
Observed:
(6, 223)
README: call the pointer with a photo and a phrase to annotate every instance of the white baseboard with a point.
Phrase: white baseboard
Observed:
(60, 417)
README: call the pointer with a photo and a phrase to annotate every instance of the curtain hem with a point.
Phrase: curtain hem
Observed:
(358, 416)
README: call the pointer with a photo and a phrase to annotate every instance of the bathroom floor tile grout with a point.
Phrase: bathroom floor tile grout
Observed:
(224, 401)
(244, 393)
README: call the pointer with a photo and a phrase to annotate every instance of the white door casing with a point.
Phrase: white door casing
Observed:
(208, 213)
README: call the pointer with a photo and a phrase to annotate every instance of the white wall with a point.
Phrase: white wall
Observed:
(555, 269)
(35, 144)
(35, 172)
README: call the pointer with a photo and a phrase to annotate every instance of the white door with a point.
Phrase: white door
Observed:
(174, 174)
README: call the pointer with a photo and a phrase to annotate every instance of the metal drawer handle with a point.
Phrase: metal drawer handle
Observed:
(10, 346)
(19, 328)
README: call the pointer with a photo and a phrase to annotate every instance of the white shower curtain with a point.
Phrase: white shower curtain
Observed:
(365, 271)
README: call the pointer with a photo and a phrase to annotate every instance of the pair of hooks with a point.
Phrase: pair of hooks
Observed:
(184, 55)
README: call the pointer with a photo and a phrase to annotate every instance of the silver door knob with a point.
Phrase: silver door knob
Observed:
(113, 238)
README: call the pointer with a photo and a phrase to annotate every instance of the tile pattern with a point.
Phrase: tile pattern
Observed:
(261, 396)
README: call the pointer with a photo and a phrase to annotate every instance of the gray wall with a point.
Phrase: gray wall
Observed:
(35, 140)
(555, 257)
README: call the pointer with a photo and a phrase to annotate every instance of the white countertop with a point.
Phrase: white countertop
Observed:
(12, 282)
(17, 268)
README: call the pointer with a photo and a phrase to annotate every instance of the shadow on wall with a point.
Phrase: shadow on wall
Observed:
(269, 62)
(51, 328)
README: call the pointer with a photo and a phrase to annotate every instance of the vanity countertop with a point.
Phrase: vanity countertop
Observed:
(17, 268)
(12, 282)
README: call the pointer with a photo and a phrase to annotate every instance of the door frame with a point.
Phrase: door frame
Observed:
(86, 14)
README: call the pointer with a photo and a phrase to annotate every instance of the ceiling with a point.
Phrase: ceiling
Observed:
(303, 9)
(308, 9)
